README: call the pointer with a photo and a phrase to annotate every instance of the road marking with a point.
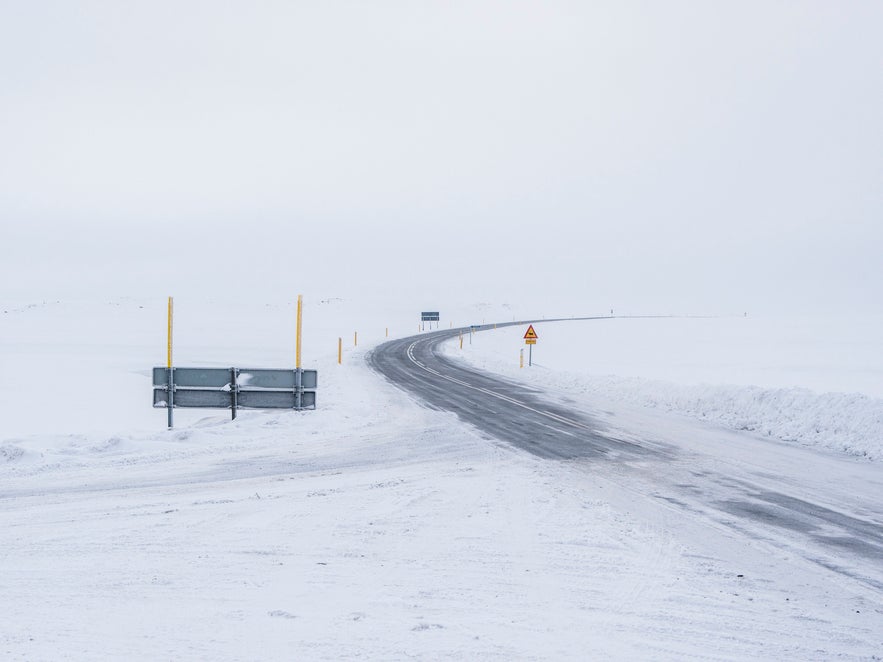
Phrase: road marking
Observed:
(558, 430)
(547, 414)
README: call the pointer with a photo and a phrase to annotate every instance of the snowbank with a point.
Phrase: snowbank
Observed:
(847, 422)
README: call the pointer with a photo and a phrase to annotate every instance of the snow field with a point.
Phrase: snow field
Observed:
(371, 527)
(327, 535)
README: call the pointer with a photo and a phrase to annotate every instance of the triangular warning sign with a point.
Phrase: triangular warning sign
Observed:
(531, 334)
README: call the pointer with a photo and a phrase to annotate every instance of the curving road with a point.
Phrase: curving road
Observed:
(505, 410)
(822, 509)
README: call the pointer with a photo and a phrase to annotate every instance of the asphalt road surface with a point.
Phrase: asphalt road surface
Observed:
(824, 510)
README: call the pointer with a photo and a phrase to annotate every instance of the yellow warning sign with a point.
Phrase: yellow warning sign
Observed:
(530, 341)
(531, 335)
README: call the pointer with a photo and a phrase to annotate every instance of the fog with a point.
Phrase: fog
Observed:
(696, 157)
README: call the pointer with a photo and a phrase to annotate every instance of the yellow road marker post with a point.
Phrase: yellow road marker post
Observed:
(169, 335)
(299, 373)
(300, 304)
(171, 393)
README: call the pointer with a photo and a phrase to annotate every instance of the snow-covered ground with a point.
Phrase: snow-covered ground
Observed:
(373, 527)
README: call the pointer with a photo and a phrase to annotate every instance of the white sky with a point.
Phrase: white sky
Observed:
(649, 156)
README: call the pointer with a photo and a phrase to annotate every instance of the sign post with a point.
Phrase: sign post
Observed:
(530, 339)
(234, 388)
(429, 316)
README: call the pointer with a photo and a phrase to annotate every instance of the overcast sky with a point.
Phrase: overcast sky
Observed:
(651, 156)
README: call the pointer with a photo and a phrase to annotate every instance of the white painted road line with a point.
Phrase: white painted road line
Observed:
(547, 414)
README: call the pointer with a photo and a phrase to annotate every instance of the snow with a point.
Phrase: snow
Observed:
(811, 381)
(371, 527)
